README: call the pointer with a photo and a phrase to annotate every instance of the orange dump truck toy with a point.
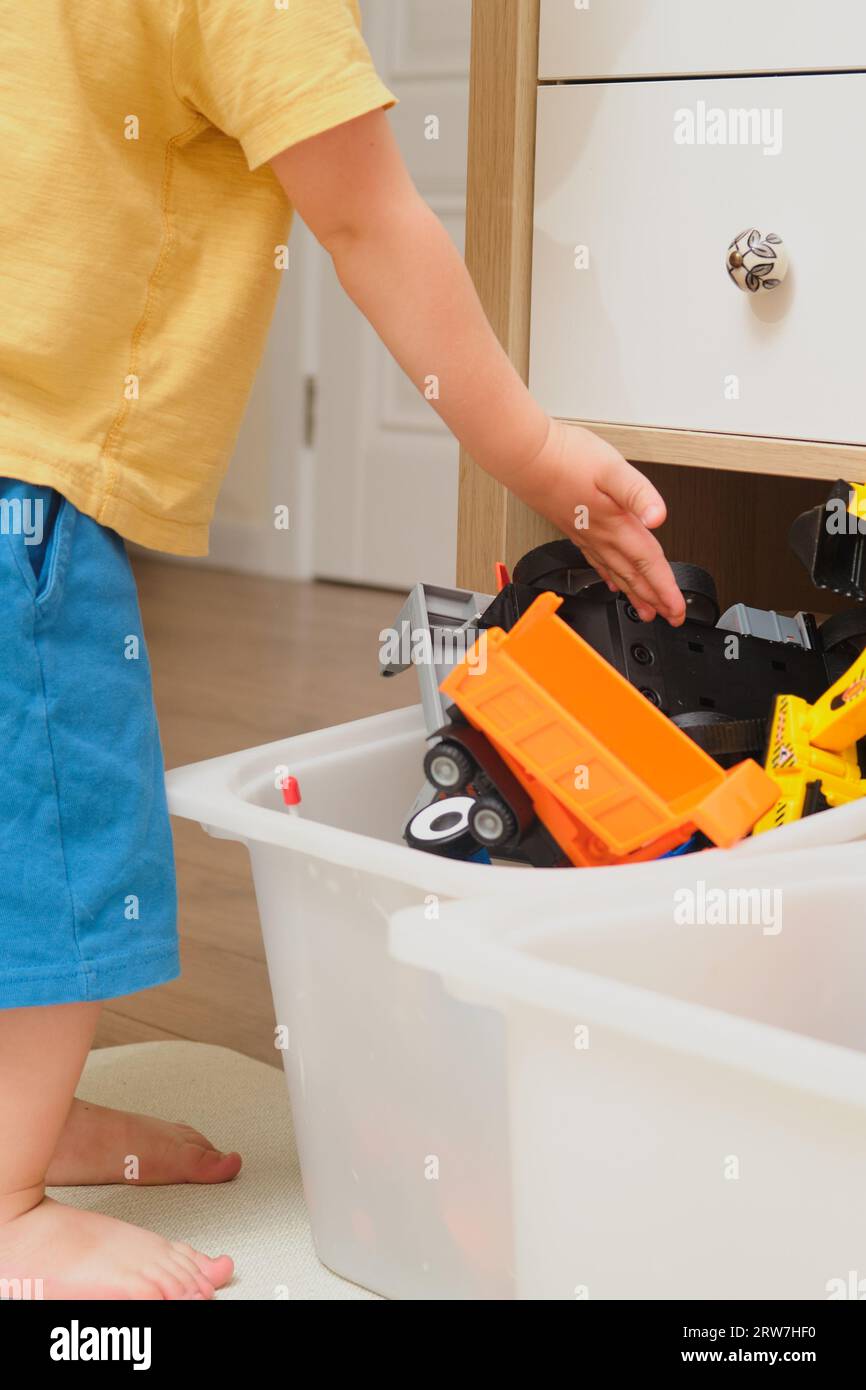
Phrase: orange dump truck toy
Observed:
(549, 730)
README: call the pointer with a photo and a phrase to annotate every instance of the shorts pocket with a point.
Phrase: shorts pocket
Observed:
(37, 524)
(56, 546)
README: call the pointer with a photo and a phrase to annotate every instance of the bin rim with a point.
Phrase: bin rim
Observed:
(215, 792)
(480, 945)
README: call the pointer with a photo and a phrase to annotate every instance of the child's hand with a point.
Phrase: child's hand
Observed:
(586, 488)
(397, 262)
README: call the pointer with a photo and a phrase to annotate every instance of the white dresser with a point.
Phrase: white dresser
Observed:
(642, 184)
(667, 216)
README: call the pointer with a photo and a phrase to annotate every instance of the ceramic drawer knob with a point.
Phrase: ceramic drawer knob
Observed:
(757, 260)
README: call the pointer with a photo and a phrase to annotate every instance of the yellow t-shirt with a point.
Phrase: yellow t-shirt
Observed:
(139, 233)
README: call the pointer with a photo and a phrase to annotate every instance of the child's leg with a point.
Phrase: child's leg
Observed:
(76, 1254)
(42, 1052)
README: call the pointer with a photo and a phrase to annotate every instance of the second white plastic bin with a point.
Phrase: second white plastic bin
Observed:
(686, 1078)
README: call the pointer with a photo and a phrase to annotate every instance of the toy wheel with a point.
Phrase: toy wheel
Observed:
(581, 580)
(549, 566)
(699, 591)
(704, 727)
(448, 766)
(846, 630)
(559, 567)
(443, 828)
(492, 822)
(701, 718)
(725, 738)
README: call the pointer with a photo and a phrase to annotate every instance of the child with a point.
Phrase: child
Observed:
(150, 153)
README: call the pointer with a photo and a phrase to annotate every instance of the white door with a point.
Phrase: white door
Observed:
(386, 468)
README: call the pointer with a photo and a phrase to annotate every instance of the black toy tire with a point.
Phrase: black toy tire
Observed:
(454, 755)
(549, 566)
(492, 822)
(699, 590)
(847, 629)
(693, 721)
(581, 580)
(558, 567)
(700, 718)
(728, 740)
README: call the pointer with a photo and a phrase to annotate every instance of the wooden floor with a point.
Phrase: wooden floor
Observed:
(237, 662)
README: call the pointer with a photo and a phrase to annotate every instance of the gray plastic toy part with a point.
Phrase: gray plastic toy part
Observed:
(758, 622)
(434, 631)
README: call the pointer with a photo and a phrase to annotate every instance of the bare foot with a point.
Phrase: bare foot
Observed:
(107, 1146)
(82, 1255)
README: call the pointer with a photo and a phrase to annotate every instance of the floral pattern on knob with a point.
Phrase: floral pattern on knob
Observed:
(756, 261)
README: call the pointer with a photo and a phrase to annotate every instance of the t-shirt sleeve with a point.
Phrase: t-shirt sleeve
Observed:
(270, 74)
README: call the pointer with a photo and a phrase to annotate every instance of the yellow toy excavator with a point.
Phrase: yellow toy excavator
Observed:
(812, 751)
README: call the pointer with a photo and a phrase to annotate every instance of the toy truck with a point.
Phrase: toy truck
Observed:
(716, 676)
(547, 728)
(812, 753)
(718, 689)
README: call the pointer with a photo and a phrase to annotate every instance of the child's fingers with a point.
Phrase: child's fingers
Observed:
(645, 610)
(645, 594)
(602, 570)
(635, 557)
(631, 491)
(647, 576)
(618, 584)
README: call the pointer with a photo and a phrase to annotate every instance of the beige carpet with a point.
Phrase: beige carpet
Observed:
(260, 1218)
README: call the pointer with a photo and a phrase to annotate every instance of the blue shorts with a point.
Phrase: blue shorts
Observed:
(87, 887)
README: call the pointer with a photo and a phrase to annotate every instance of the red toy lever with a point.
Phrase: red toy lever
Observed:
(291, 792)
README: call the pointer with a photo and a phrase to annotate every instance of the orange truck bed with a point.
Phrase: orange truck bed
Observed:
(610, 776)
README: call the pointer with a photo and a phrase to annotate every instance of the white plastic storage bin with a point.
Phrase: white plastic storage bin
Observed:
(398, 1090)
(687, 1099)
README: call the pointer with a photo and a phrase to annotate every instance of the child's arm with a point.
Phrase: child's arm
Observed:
(398, 264)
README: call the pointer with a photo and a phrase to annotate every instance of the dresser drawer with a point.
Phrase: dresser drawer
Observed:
(626, 38)
(635, 319)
